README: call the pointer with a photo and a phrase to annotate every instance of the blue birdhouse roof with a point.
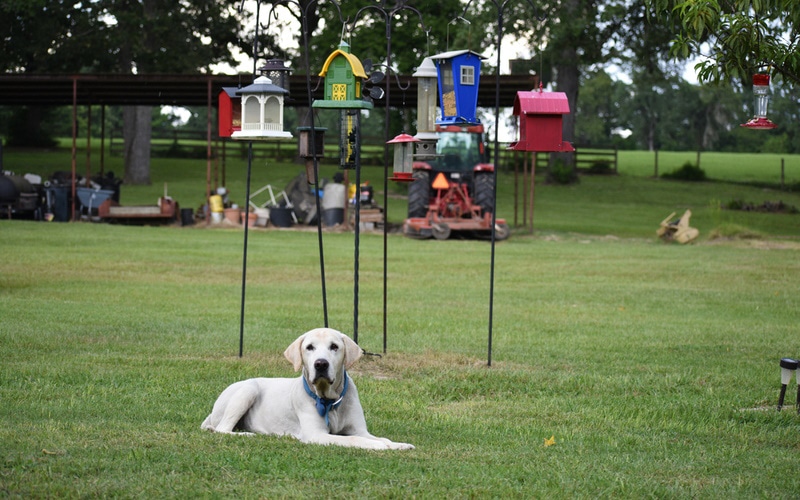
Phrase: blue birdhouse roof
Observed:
(455, 53)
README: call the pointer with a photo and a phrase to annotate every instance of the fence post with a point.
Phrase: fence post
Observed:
(655, 174)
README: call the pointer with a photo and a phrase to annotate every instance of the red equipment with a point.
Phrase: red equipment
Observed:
(455, 192)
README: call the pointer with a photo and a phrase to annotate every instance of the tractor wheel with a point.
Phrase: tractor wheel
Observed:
(440, 231)
(484, 191)
(419, 194)
(501, 232)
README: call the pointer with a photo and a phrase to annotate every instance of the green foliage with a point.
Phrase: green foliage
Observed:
(688, 172)
(600, 168)
(110, 36)
(599, 110)
(767, 206)
(561, 173)
(734, 231)
(746, 36)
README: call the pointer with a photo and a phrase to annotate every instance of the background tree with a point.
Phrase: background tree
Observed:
(741, 36)
(159, 36)
(117, 36)
(45, 36)
(599, 109)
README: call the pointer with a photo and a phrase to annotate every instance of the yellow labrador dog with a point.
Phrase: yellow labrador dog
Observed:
(321, 406)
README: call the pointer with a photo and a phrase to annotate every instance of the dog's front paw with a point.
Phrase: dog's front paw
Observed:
(400, 446)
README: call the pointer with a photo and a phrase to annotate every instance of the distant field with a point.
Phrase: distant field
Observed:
(628, 205)
(738, 167)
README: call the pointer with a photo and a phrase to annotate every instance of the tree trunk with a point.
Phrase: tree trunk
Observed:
(567, 82)
(137, 128)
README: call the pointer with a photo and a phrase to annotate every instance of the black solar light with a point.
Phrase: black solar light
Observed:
(788, 367)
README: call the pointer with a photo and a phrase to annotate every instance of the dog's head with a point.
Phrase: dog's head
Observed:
(323, 353)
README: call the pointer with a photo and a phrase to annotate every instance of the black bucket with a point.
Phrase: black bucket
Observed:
(280, 216)
(187, 216)
(333, 216)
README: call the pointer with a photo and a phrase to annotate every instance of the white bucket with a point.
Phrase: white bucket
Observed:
(262, 215)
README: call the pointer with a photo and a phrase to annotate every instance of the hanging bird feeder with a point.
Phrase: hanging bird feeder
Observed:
(426, 110)
(344, 74)
(277, 71)
(403, 157)
(761, 91)
(309, 152)
(540, 121)
(229, 118)
(262, 112)
(459, 73)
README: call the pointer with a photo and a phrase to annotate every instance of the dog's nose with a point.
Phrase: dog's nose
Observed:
(321, 365)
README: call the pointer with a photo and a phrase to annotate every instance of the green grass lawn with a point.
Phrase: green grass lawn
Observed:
(653, 366)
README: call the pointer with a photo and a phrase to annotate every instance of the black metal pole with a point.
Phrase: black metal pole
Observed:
(316, 173)
(244, 252)
(357, 153)
(386, 171)
(500, 8)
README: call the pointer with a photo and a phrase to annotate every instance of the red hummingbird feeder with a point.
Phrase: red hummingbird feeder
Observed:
(761, 91)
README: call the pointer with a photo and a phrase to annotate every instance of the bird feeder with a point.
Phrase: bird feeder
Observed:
(403, 157)
(426, 110)
(458, 74)
(761, 91)
(229, 118)
(277, 71)
(788, 367)
(308, 151)
(540, 121)
(262, 112)
(343, 73)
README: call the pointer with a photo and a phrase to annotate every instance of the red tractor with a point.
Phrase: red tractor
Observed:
(454, 192)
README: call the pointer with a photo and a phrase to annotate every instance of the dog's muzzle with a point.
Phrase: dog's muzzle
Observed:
(321, 368)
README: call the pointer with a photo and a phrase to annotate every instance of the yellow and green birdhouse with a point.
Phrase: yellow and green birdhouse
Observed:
(343, 73)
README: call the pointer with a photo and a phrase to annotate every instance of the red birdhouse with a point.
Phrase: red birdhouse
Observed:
(540, 117)
(230, 111)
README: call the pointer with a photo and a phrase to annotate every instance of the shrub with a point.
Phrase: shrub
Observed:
(688, 172)
(600, 168)
(561, 173)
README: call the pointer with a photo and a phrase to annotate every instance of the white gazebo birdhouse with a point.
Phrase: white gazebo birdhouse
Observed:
(262, 112)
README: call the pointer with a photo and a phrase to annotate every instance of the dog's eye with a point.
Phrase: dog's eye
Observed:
(334, 347)
(310, 347)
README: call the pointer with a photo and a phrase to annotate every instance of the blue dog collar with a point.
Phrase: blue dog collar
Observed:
(325, 405)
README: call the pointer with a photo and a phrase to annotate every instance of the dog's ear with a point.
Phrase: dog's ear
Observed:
(294, 353)
(352, 352)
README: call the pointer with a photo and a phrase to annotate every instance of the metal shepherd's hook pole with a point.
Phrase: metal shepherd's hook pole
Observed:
(387, 15)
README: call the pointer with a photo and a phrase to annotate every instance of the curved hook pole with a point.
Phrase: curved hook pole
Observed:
(303, 18)
(387, 15)
(500, 6)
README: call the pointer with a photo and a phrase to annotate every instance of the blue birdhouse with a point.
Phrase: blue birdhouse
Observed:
(459, 73)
